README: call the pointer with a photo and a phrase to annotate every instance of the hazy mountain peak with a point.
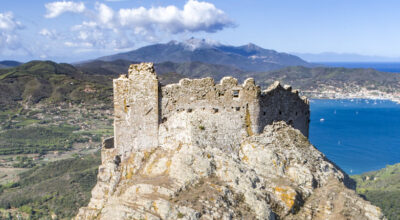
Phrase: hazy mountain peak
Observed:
(196, 43)
(252, 46)
(172, 42)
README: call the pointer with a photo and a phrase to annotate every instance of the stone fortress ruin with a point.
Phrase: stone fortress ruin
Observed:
(201, 150)
(197, 111)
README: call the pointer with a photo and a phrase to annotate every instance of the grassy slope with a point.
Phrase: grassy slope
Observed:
(38, 139)
(59, 187)
(47, 81)
(382, 188)
(48, 85)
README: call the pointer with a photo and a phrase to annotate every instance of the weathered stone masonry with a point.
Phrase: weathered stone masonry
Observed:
(197, 111)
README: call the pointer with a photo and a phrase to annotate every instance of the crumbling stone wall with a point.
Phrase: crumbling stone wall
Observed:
(198, 111)
(213, 114)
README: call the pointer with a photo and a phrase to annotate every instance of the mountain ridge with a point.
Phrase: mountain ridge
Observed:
(248, 57)
(38, 81)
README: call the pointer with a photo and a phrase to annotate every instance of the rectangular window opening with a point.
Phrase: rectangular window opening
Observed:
(235, 93)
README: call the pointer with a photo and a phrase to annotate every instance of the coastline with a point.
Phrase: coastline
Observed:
(361, 94)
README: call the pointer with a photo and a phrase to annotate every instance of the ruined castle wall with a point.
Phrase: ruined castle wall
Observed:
(197, 111)
(279, 103)
(136, 115)
(202, 112)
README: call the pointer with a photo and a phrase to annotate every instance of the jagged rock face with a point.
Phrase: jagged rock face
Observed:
(277, 174)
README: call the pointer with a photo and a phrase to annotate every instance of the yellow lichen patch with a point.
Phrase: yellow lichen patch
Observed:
(147, 154)
(155, 207)
(125, 106)
(245, 158)
(288, 196)
(208, 156)
(153, 161)
(149, 168)
(248, 123)
(168, 166)
(137, 189)
(274, 162)
(129, 173)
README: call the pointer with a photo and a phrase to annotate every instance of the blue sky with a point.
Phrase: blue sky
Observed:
(69, 31)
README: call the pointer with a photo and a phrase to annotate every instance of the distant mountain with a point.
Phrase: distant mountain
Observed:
(319, 80)
(9, 64)
(343, 57)
(186, 69)
(249, 57)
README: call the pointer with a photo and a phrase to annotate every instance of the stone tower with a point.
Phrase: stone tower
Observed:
(136, 105)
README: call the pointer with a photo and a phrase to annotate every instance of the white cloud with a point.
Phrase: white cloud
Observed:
(51, 34)
(7, 22)
(108, 29)
(54, 9)
(105, 14)
(195, 16)
(99, 36)
(73, 44)
(8, 28)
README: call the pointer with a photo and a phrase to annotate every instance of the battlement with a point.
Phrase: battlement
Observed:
(198, 111)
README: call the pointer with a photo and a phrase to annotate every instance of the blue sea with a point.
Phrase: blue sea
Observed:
(381, 66)
(358, 135)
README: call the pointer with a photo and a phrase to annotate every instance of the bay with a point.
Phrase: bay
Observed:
(358, 135)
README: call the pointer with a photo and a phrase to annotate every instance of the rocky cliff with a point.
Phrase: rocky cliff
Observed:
(277, 174)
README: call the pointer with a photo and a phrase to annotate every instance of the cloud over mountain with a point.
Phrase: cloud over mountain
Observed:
(104, 27)
(195, 16)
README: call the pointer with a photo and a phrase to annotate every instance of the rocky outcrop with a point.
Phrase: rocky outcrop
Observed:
(276, 174)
